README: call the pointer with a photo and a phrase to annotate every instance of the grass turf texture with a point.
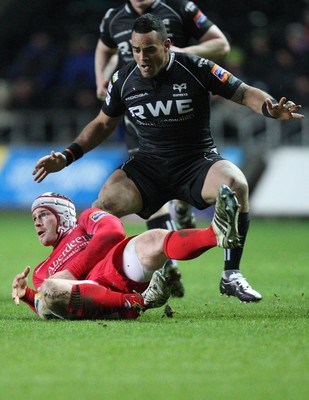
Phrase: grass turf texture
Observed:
(214, 347)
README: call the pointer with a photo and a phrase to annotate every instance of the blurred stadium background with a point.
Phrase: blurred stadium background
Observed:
(47, 94)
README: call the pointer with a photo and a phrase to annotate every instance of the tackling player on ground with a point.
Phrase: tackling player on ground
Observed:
(120, 275)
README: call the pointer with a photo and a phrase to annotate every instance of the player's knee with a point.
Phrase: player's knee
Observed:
(57, 293)
(153, 240)
(240, 186)
(98, 203)
(108, 204)
(111, 202)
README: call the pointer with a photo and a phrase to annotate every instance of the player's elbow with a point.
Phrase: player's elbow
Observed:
(223, 48)
(226, 48)
(117, 237)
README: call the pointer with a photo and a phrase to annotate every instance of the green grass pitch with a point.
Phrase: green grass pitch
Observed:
(213, 348)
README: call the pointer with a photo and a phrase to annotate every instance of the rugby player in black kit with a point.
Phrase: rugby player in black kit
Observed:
(166, 94)
(191, 32)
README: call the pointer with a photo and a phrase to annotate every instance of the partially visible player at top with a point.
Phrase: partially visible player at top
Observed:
(187, 26)
(191, 32)
(121, 276)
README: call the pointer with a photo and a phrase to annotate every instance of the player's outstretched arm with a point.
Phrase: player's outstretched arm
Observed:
(262, 103)
(93, 134)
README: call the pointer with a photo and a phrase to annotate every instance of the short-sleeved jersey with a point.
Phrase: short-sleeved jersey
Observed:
(171, 110)
(183, 20)
(74, 242)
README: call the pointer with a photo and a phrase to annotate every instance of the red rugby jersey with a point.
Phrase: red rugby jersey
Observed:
(96, 233)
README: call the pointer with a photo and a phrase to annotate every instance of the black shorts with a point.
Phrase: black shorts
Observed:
(161, 179)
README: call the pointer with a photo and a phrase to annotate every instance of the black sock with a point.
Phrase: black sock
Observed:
(232, 257)
(164, 221)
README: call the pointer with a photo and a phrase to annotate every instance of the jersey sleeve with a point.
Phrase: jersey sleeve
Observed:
(222, 82)
(29, 298)
(104, 29)
(195, 21)
(106, 231)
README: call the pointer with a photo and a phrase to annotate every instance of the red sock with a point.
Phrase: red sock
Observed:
(95, 301)
(187, 244)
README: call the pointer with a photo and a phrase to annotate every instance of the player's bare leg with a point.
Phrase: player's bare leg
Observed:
(162, 219)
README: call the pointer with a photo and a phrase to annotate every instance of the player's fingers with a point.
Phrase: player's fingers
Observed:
(36, 168)
(16, 300)
(17, 279)
(297, 116)
(289, 104)
(43, 176)
(27, 270)
(37, 175)
(291, 107)
(40, 164)
(282, 101)
(15, 296)
(270, 104)
(40, 175)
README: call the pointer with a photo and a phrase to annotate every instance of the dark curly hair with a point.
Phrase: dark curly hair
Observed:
(149, 22)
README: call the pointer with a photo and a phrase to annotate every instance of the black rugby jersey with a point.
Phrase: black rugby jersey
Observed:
(171, 110)
(182, 19)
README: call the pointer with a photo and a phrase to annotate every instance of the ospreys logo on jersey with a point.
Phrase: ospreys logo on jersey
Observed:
(166, 22)
(202, 62)
(180, 87)
(190, 6)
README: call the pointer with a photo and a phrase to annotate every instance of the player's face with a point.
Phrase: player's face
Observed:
(45, 223)
(150, 53)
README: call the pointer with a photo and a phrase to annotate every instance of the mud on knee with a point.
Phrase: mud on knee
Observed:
(56, 295)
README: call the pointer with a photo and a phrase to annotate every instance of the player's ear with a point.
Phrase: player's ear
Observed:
(167, 44)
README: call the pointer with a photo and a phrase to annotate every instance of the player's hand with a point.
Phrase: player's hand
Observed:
(284, 109)
(102, 90)
(54, 162)
(19, 285)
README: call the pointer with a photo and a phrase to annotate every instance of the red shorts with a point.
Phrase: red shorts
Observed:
(109, 273)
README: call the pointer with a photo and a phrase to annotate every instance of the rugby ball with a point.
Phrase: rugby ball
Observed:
(40, 307)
